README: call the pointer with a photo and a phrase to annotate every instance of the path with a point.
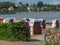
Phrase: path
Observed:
(10, 43)
(39, 37)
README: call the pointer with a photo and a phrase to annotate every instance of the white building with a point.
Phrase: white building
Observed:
(29, 9)
(11, 8)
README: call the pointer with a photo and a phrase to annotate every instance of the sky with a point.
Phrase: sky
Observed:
(34, 1)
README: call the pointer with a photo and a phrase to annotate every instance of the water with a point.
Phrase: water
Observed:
(49, 16)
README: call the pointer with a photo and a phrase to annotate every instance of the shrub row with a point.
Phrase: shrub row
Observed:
(14, 31)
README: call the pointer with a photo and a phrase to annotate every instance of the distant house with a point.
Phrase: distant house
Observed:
(11, 8)
(46, 7)
(38, 9)
(43, 8)
(29, 9)
(57, 8)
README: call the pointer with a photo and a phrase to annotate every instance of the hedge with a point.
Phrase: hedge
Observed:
(14, 31)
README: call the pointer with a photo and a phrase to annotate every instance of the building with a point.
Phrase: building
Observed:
(38, 9)
(29, 9)
(11, 8)
(44, 8)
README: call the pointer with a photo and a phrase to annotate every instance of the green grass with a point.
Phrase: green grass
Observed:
(48, 43)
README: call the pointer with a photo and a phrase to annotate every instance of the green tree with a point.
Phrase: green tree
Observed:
(4, 10)
(6, 4)
(27, 4)
(40, 4)
(20, 2)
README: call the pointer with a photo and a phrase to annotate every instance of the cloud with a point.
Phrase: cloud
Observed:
(54, 2)
(45, 1)
(35, 1)
(28, 1)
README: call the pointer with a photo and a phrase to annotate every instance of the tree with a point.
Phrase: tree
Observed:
(4, 10)
(40, 4)
(45, 4)
(20, 2)
(27, 4)
(6, 4)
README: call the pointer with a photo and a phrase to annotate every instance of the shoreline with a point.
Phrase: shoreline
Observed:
(7, 13)
(29, 12)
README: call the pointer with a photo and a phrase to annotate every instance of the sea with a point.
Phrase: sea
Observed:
(48, 16)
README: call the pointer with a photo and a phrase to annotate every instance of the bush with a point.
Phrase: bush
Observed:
(14, 31)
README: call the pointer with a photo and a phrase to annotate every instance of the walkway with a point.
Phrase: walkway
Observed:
(39, 37)
(10, 43)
